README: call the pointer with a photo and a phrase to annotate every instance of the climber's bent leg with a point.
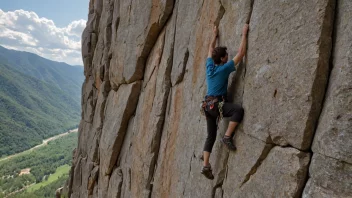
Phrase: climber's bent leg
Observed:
(231, 128)
(235, 112)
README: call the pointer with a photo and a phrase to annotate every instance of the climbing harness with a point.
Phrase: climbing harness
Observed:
(211, 102)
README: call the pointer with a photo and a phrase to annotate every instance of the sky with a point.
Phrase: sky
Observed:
(50, 28)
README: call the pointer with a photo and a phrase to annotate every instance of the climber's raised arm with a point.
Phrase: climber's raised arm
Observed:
(242, 49)
(213, 41)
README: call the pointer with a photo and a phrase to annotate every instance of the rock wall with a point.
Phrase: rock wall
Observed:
(141, 133)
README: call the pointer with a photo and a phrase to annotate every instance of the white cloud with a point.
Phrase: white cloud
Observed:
(26, 31)
(75, 28)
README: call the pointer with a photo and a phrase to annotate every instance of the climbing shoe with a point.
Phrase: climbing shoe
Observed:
(228, 143)
(207, 172)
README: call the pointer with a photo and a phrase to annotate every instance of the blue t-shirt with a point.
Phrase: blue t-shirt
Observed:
(217, 77)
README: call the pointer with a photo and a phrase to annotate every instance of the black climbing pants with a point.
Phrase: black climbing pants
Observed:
(235, 112)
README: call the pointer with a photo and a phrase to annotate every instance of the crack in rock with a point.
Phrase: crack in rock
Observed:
(261, 158)
(185, 60)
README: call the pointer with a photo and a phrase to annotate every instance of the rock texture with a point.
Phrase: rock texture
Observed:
(331, 166)
(281, 174)
(334, 133)
(141, 133)
(329, 178)
(287, 71)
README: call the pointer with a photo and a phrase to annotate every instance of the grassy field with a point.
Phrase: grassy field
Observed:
(60, 171)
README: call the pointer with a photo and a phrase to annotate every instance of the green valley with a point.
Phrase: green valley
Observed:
(43, 169)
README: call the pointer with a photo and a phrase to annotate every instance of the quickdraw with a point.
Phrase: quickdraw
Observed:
(221, 116)
(221, 104)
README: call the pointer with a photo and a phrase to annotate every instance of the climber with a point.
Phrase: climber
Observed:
(218, 69)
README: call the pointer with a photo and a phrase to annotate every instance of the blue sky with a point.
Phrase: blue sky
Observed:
(49, 28)
(62, 12)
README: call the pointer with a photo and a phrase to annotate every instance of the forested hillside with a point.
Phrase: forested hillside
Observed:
(66, 77)
(36, 101)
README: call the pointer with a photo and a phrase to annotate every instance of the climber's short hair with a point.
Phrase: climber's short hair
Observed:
(218, 53)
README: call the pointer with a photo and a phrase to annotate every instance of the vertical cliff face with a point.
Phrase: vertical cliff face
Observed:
(141, 132)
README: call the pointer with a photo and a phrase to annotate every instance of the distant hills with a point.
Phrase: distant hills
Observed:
(66, 77)
(39, 98)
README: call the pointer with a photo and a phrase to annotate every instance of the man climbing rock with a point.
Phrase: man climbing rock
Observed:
(215, 106)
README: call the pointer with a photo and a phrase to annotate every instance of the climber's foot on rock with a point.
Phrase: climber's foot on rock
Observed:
(228, 143)
(207, 172)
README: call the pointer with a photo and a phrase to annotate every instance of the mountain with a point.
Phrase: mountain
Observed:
(39, 98)
(66, 77)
